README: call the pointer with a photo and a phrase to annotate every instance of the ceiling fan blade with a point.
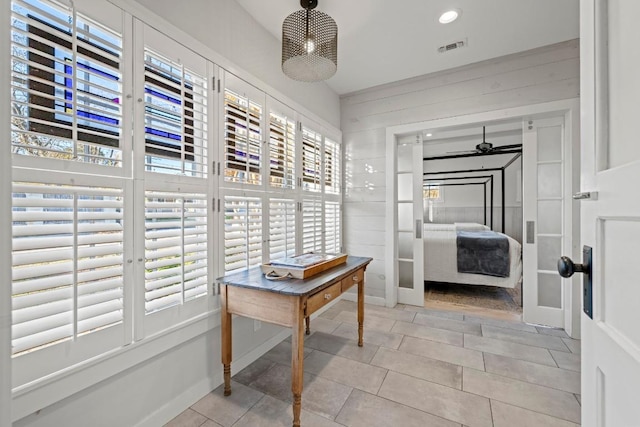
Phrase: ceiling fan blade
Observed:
(507, 147)
(462, 152)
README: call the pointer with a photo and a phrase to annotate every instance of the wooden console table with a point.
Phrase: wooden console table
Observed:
(287, 303)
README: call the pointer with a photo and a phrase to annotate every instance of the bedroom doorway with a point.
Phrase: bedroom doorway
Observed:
(472, 176)
(560, 307)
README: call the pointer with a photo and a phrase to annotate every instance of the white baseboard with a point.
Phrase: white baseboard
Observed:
(352, 296)
(176, 406)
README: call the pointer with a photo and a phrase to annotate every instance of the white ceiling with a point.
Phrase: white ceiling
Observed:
(383, 41)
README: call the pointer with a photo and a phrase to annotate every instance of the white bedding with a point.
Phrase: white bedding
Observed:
(440, 257)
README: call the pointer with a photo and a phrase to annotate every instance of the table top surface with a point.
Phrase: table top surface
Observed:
(253, 278)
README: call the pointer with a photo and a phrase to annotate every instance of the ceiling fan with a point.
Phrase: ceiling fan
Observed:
(486, 147)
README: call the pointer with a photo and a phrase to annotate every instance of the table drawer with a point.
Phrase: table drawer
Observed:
(352, 279)
(325, 296)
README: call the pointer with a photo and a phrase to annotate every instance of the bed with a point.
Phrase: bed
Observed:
(440, 257)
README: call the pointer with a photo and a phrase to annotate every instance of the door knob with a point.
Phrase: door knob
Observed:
(566, 267)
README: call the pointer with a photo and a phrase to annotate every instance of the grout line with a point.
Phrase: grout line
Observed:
(555, 361)
(491, 410)
(412, 408)
(524, 381)
(343, 405)
(383, 380)
(533, 410)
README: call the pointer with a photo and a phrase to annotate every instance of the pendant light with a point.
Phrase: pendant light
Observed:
(309, 44)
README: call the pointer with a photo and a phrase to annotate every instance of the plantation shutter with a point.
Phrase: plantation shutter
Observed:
(175, 116)
(311, 160)
(67, 262)
(66, 87)
(242, 233)
(331, 167)
(175, 248)
(312, 225)
(282, 139)
(332, 240)
(242, 139)
(282, 228)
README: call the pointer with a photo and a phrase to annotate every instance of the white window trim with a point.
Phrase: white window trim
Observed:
(5, 230)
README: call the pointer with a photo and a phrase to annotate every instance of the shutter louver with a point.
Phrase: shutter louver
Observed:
(311, 151)
(282, 138)
(66, 91)
(175, 248)
(332, 242)
(175, 118)
(312, 225)
(67, 262)
(331, 167)
(282, 228)
(242, 233)
(243, 139)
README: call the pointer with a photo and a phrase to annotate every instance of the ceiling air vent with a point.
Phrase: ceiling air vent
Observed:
(452, 46)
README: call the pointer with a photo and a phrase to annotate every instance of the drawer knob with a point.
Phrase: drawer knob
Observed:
(355, 279)
(327, 296)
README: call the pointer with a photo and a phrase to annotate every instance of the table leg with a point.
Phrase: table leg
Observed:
(307, 321)
(360, 311)
(226, 340)
(297, 358)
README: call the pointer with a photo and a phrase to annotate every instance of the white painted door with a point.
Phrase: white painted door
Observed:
(547, 231)
(410, 258)
(610, 94)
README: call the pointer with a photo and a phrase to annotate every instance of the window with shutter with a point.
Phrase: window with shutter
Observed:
(311, 160)
(177, 186)
(312, 225)
(242, 233)
(332, 240)
(175, 248)
(67, 262)
(175, 107)
(331, 167)
(282, 139)
(66, 93)
(242, 139)
(282, 228)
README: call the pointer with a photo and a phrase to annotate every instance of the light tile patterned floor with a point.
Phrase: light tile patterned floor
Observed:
(418, 368)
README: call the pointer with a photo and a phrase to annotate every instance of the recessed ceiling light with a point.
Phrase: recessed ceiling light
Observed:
(429, 134)
(449, 16)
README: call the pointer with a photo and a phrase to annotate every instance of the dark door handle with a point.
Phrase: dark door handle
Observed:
(566, 267)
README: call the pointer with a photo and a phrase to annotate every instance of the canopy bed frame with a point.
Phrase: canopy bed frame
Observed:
(440, 239)
(502, 169)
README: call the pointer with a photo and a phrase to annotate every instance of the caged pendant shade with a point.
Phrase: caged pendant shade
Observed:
(309, 44)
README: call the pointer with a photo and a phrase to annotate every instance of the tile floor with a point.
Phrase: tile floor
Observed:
(419, 367)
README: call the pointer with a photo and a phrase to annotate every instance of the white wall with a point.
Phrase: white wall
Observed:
(154, 391)
(150, 384)
(545, 74)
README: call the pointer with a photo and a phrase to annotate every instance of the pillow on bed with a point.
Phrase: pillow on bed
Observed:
(430, 226)
(470, 226)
